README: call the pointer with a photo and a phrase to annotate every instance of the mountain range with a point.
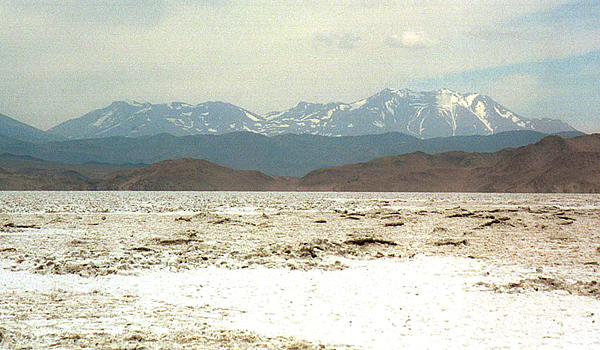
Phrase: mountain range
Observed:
(430, 114)
(553, 164)
(134, 119)
(281, 155)
(307, 142)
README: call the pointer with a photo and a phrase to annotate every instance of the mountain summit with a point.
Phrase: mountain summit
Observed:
(422, 114)
(132, 119)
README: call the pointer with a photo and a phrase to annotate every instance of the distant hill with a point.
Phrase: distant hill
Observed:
(191, 175)
(553, 164)
(29, 173)
(30, 165)
(46, 176)
(425, 114)
(282, 155)
(11, 129)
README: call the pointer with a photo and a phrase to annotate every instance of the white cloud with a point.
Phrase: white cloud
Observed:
(410, 40)
(348, 41)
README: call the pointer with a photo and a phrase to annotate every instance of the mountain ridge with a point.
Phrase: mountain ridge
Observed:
(13, 129)
(281, 155)
(426, 114)
(133, 119)
(551, 165)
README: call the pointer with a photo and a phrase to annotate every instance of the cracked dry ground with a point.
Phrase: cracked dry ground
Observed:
(561, 242)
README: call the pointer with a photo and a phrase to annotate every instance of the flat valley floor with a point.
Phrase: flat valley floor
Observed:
(231, 270)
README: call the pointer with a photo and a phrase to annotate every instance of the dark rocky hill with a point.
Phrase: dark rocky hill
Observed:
(552, 165)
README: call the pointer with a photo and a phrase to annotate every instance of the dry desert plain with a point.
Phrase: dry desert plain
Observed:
(285, 270)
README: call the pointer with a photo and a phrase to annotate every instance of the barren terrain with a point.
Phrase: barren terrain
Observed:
(213, 270)
(552, 165)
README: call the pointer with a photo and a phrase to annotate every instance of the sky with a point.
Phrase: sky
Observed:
(60, 59)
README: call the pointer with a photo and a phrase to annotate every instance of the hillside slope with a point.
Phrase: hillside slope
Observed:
(13, 129)
(551, 165)
(282, 155)
(191, 175)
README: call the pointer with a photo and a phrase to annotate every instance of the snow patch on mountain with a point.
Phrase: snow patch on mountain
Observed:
(103, 118)
(423, 114)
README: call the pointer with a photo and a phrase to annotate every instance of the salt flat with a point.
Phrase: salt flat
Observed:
(168, 270)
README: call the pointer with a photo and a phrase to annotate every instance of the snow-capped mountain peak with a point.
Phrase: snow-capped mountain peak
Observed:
(132, 119)
(132, 103)
(423, 114)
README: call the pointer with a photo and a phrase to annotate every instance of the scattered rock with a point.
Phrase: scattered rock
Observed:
(566, 220)
(220, 221)
(311, 249)
(474, 214)
(494, 222)
(450, 241)
(300, 345)
(175, 241)
(464, 214)
(546, 284)
(390, 216)
(369, 240)
(72, 268)
(308, 251)
(439, 230)
(485, 216)
(591, 288)
(135, 337)
(393, 224)
(143, 249)
(13, 225)
(192, 233)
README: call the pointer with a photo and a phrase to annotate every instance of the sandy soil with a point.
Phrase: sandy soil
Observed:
(99, 270)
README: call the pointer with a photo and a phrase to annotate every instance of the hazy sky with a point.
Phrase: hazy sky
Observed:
(59, 59)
